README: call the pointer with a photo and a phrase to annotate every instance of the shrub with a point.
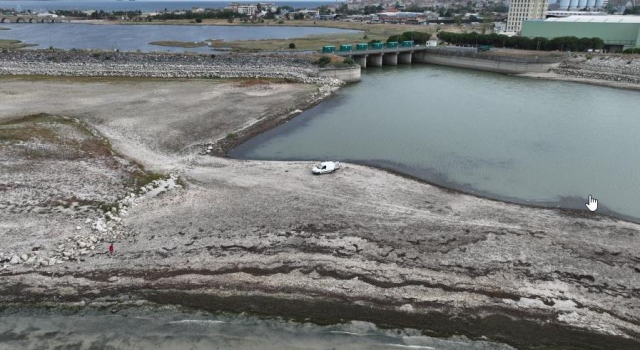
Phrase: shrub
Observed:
(230, 19)
(232, 136)
(349, 61)
(632, 51)
(292, 45)
(323, 61)
(281, 21)
(198, 20)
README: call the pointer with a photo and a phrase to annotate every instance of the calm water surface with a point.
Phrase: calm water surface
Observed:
(137, 37)
(517, 139)
(169, 328)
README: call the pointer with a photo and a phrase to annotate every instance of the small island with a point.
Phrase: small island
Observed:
(13, 44)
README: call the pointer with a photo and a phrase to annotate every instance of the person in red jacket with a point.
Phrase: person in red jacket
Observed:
(111, 248)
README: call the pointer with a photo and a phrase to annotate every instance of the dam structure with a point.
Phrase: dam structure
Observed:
(30, 19)
(494, 60)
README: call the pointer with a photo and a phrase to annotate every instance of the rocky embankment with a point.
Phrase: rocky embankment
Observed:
(160, 65)
(610, 68)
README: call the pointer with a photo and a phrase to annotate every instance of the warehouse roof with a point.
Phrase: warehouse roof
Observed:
(596, 19)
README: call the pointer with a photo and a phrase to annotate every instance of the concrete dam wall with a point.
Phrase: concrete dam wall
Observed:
(346, 74)
(486, 61)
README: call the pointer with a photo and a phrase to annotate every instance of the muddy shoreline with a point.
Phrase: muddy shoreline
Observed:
(518, 328)
(578, 80)
(224, 146)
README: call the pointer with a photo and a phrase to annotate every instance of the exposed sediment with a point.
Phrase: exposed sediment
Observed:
(270, 238)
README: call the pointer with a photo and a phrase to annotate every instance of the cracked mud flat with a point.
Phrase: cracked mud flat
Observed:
(270, 239)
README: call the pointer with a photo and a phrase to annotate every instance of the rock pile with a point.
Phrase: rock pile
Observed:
(618, 68)
(159, 65)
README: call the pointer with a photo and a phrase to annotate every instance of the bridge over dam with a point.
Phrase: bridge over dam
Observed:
(494, 60)
(31, 19)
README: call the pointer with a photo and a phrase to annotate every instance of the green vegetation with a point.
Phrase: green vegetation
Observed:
(379, 32)
(568, 43)
(323, 61)
(349, 61)
(232, 136)
(292, 45)
(420, 38)
(632, 51)
(185, 44)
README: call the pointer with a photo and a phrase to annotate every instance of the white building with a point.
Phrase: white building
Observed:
(522, 10)
(247, 9)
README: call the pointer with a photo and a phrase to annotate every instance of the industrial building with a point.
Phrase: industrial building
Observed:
(522, 10)
(577, 5)
(617, 32)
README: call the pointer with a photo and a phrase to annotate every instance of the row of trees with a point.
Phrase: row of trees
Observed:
(419, 38)
(567, 43)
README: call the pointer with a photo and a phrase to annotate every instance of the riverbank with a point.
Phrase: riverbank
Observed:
(582, 80)
(268, 238)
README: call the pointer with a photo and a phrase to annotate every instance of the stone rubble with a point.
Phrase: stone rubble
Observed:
(616, 68)
(106, 228)
(161, 65)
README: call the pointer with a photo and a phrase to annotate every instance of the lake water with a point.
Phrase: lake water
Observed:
(171, 328)
(137, 37)
(142, 5)
(527, 141)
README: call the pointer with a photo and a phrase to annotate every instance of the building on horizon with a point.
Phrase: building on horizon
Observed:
(523, 10)
(617, 32)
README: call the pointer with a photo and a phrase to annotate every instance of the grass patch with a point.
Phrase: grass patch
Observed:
(52, 134)
(315, 42)
(28, 128)
(185, 44)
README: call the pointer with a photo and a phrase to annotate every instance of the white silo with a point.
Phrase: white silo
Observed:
(591, 3)
(573, 4)
(564, 4)
(599, 4)
(582, 4)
